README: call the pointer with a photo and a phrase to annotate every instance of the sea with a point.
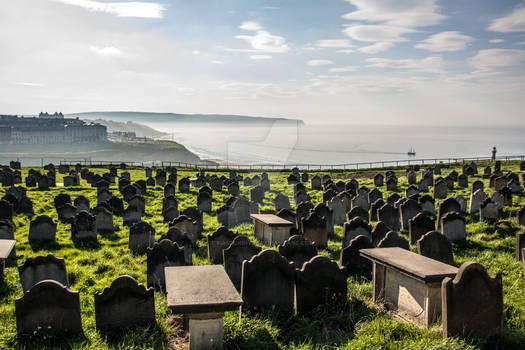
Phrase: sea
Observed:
(295, 143)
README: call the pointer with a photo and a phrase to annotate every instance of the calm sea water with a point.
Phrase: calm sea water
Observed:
(291, 143)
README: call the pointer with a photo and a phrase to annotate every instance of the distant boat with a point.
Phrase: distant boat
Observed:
(412, 152)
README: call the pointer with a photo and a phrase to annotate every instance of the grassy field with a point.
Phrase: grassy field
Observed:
(355, 324)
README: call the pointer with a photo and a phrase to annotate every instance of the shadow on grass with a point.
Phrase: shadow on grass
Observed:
(44, 245)
(57, 341)
(87, 244)
(137, 334)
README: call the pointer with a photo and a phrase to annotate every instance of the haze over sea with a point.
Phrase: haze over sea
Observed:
(294, 143)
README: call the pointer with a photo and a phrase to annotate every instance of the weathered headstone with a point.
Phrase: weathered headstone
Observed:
(42, 228)
(162, 254)
(453, 227)
(390, 216)
(435, 245)
(488, 211)
(239, 250)
(141, 236)
(378, 180)
(407, 211)
(298, 250)
(356, 227)
(41, 268)
(83, 227)
(314, 229)
(131, 215)
(440, 190)
(392, 239)
(449, 205)
(418, 226)
(217, 242)
(355, 264)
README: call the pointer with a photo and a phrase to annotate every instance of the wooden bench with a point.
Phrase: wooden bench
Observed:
(203, 293)
(6, 247)
(408, 284)
(271, 229)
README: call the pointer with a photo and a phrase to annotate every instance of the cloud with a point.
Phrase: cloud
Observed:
(345, 51)
(216, 62)
(334, 43)
(29, 84)
(496, 58)
(445, 41)
(375, 48)
(120, 9)
(106, 51)
(260, 57)
(496, 41)
(376, 33)
(315, 63)
(406, 13)
(343, 69)
(431, 64)
(263, 40)
(513, 22)
(250, 26)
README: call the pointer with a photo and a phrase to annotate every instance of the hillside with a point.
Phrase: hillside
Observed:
(148, 117)
(140, 129)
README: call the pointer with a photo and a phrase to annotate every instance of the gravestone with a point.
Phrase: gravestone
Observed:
(374, 195)
(497, 198)
(360, 200)
(217, 242)
(462, 203)
(239, 250)
(257, 194)
(66, 212)
(374, 208)
(476, 199)
(138, 202)
(391, 184)
(204, 202)
(42, 228)
(162, 254)
(83, 227)
(103, 220)
(267, 282)
(103, 196)
(411, 177)
(453, 227)
(116, 204)
(319, 281)
(390, 216)
(411, 191)
(463, 181)
(184, 185)
(41, 268)
(182, 239)
(520, 216)
(378, 180)
(82, 203)
(281, 202)
(160, 179)
(298, 250)
(428, 204)
(141, 236)
(314, 229)
(131, 215)
(356, 227)
(337, 206)
(288, 215)
(6, 210)
(123, 304)
(7, 230)
(393, 198)
(435, 245)
(379, 232)
(226, 216)
(520, 244)
(233, 189)
(488, 211)
(329, 194)
(169, 190)
(449, 205)
(500, 182)
(407, 211)
(242, 208)
(358, 212)
(355, 264)
(304, 177)
(418, 226)
(48, 308)
(472, 303)
(302, 211)
(392, 240)
(506, 192)
(477, 185)
(440, 190)
(187, 225)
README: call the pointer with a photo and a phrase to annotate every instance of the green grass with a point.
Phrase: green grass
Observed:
(353, 324)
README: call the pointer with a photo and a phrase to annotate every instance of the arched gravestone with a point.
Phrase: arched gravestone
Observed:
(315, 183)
(170, 201)
(169, 190)
(472, 303)
(324, 211)
(339, 186)
(233, 189)
(453, 226)
(116, 204)
(392, 240)
(418, 226)
(182, 239)
(440, 189)
(497, 198)
(393, 198)
(449, 205)
(303, 210)
(411, 191)
(390, 216)
(226, 216)
(378, 180)
(103, 196)
(162, 254)
(379, 232)
(267, 282)
(374, 195)
(44, 183)
(520, 244)
(463, 181)
(204, 202)
(476, 199)
(184, 185)
(355, 264)
(300, 197)
(477, 185)
(82, 203)
(488, 211)
(289, 215)
(329, 194)
(138, 202)
(411, 177)
(217, 242)
(320, 280)
(7, 230)
(83, 227)
(407, 211)
(239, 250)
(242, 210)
(304, 177)
(257, 194)
(338, 208)
(160, 179)
(435, 245)
(356, 227)
(103, 220)
(358, 212)
(373, 210)
(391, 183)
(123, 304)
(42, 228)
(281, 202)
(298, 250)
(66, 212)
(141, 236)
(6, 210)
(131, 215)
(314, 229)
(360, 200)
(48, 308)
(41, 268)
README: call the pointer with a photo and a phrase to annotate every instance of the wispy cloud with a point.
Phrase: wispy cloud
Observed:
(120, 9)
(29, 84)
(432, 64)
(106, 51)
(260, 57)
(375, 48)
(263, 40)
(496, 58)
(343, 69)
(496, 41)
(335, 43)
(251, 26)
(445, 41)
(513, 22)
(315, 63)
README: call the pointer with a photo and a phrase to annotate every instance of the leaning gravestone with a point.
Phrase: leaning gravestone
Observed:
(476, 199)
(48, 308)
(41, 268)
(298, 250)
(162, 254)
(354, 228)
(392, 240)
(314, 229)
(435, 245)
(472, 303)
(217, 242)
(418, 226)
(319, 281)
(43, 228)
(141, 236)
(355, 264)
(268, 282)
(453, 226)
(240, 249)
(123, 304)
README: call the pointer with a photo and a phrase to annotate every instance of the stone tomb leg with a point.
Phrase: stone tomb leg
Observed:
(270, 229)
(203, 293)
(408, 284)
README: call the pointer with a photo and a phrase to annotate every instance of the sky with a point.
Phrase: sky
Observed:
(417, 62)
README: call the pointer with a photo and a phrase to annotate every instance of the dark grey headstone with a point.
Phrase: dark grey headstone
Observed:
(240, 249)
(42, 228)
(41, 268)
(418, 226)
(392, 240)
(390, 216)
(298, 250)
(83, 227)
(435, 245)
(162, 254)
(355, 264)
(217, 242)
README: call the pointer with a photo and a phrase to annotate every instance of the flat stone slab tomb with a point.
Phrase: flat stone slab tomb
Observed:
(271, 229)
(408, 284)
(203, 293)
(6, 247)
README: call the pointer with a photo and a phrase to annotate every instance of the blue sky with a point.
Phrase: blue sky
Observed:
(337, 61)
